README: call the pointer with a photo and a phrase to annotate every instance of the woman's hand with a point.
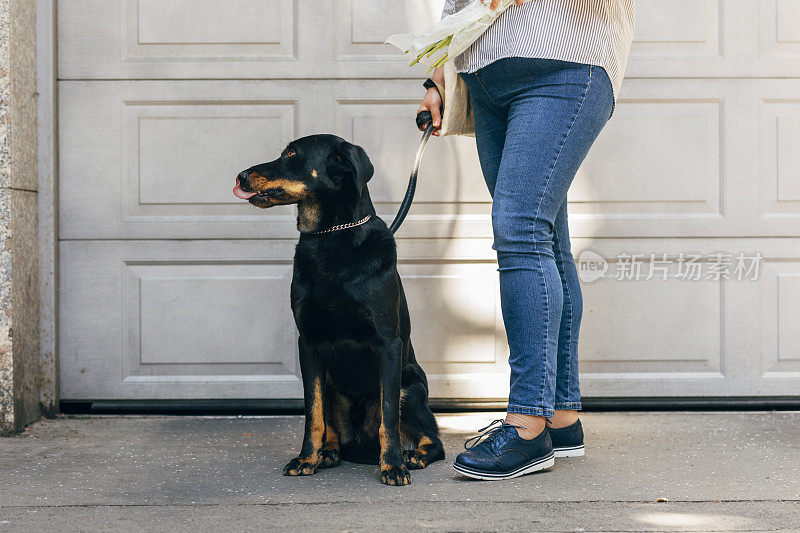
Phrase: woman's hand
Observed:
(495, 2)
(433, 102)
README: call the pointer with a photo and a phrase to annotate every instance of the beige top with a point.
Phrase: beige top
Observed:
(593, 32)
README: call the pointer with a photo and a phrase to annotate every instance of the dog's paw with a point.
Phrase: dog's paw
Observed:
(330, 458)
(395, 475)
(300, 467)
(415, 459)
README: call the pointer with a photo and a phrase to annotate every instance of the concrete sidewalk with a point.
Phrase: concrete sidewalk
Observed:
(717, 471)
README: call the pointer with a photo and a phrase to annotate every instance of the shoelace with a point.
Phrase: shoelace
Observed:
(488, 431)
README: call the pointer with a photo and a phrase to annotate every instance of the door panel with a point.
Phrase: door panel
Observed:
(177, 320)
(211, 319)
(148, 39)
(678, 158)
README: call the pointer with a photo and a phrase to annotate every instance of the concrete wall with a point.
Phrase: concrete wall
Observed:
(19, 296)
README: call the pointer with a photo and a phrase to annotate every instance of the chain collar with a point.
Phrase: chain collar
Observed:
(344, 226)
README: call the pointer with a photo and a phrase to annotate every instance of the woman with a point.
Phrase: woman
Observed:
(543, 81)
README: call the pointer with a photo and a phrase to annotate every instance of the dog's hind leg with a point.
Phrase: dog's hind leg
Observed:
(428, 450)
(420, 427)
(310, 458)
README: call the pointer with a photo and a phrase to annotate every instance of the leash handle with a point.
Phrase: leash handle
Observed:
(423, 117)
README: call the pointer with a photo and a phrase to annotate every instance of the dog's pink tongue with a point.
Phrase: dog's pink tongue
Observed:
(241, 193)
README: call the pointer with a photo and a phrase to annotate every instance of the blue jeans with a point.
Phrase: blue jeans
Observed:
(535, 120)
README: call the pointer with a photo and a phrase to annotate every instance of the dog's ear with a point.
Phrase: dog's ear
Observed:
(350, 161)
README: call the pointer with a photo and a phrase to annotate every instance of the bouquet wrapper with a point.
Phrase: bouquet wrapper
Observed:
(432, 48)
(463, 28)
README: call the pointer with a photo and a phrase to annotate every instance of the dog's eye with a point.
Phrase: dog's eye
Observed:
(289, 153)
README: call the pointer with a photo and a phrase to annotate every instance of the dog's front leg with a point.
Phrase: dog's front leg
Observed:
(311, 368)
(393, 468)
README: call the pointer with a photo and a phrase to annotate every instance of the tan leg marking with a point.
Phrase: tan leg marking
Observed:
(418, 458)
(330, 455)
(341, 416)
(308, 465)
(383, 440)
(424, 441)
(317, 419)
(390, 475)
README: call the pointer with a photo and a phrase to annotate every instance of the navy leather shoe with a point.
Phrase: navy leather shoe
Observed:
(568, 441)
(503, 454)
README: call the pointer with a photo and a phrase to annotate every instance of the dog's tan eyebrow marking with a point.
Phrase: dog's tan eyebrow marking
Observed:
(314, 173)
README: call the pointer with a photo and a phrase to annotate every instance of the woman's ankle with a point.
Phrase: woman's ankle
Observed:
(562, 419)
(529, 426)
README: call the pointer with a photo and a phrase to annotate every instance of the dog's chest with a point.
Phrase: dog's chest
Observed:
(331, 318)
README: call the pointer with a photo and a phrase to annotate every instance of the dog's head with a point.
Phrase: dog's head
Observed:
(318, 172)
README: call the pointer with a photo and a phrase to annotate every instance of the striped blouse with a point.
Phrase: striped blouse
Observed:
(593, 32)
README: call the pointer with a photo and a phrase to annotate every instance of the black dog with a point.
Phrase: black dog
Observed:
(365, 394)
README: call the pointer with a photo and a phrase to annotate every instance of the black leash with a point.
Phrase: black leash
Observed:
(423, 117)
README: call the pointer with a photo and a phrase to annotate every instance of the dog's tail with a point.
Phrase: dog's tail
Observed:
(367, 454)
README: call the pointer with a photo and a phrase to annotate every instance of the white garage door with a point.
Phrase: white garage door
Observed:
(162, 102)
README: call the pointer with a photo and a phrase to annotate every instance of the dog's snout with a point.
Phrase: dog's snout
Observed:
(243, 176)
